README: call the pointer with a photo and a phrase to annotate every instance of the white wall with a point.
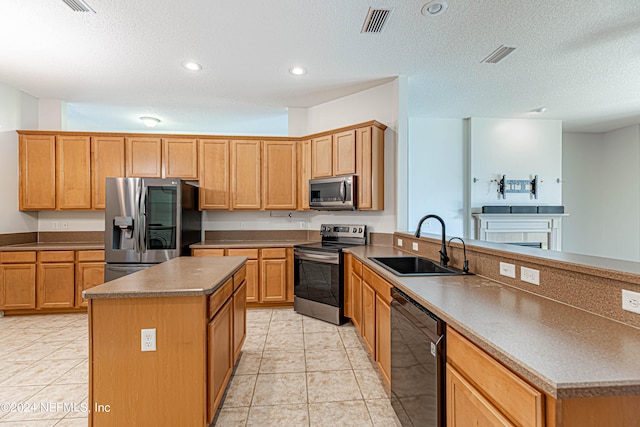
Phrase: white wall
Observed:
(602, 174)
(17, 111)
(436, 174)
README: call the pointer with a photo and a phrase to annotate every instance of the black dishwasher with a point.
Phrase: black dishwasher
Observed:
(417, 363)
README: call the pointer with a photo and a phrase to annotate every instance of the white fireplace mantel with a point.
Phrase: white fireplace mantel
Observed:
(512, 228)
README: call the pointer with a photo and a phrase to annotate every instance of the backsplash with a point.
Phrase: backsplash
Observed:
(594, 289)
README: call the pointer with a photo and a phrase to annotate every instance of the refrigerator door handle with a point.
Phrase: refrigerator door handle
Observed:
(136, 220)
(143, 217)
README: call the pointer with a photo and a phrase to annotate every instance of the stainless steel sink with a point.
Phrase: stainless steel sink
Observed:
(415, 266)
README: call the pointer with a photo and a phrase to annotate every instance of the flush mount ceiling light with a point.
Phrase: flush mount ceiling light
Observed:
(192, 66)
(539, 110)
(434, 8)
(297, 71)
(149, 121)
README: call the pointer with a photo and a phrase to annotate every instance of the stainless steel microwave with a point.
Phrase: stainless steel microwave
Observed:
(336, 193)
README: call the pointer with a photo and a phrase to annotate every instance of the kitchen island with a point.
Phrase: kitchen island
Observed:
(193, 313)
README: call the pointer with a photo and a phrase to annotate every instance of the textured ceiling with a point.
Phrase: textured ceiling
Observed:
(579, 59)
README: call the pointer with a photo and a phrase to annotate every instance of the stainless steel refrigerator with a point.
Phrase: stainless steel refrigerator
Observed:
(148, 221)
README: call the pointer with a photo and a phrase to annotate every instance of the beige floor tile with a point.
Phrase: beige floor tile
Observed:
(261, 315)
(370, 384)
(359, 358)
(280, 361)
(9, 369)
(339, 414)
(332, 386)
(284, 342)
(72, 422)
(79, 374)
(327, 360)
(240, 391)
(15, 398)
(232, 417)
(254, 343)
(43, 372)
(285, 327)
(315, 325)
(278, 416)
(72, 350)
(280, 314)
(257, 328)
(52, 402)
(382, 414)
(35, 423)
(350, 337)
(34, 352)
(280, 389)
(326, 340)
(80, 412)
(249, 363)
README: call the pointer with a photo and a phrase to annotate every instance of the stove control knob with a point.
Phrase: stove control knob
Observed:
(360, 230)
(354, 230)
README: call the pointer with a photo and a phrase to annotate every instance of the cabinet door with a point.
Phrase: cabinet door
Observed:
(279, 175)
(467, 407)
(369, 317)
(180, 158)
(88, 275)
(344, 153)
(239, 319)
(356, 301)
(245, 174)
(17, 286)
(73, 172)
(304, 174)
(37, 156)
(207, 252)
(144, 157)
(383, 338)
(107, 161)
(253, 276)
(214, 174)
(370, 168)
(220, 356)
(322, 156)
(273, 283)
(348, 306)
(56, 285)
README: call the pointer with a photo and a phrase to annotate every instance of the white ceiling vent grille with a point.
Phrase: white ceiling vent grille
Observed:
(498, 55)
(79, 6)
(376, 20)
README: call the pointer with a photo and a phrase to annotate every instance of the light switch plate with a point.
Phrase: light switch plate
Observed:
(508, 270)
(148, 338)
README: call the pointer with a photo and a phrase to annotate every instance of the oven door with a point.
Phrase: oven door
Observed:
(318, 277)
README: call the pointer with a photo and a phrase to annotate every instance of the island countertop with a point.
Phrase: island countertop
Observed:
(563, 350)
(183, 276)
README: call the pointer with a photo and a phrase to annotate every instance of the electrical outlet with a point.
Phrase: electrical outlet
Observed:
(414, 246)
(400, 242)
(508, 270)
(530, 275)
(148, 339)
(65, 225)
(631, 301)
(303, 225)
(243, 225)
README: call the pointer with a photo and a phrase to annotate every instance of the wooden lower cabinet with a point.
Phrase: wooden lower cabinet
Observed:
(17, 286)
(55, 279)
(356, 301)
(220, 356)
(273, 275)
(369, 317)
(383, 338)
(253, 271)
(239, 318)
(88, 275)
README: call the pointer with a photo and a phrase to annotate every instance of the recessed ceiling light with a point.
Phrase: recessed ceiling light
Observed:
(297, 71)
(434, 8)
(192, 66)
(539, 110)
(149, 121)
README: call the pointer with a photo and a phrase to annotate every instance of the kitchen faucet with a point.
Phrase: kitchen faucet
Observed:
(444, 259)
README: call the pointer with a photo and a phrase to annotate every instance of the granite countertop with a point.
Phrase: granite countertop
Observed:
(182, 276)
(248, 244)
(54, 246)
(565, 351)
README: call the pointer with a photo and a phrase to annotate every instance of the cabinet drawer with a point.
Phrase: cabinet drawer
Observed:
(356, 266)
(217, 299)
(239, 277)
(514, 397)
(55, 256)
(381, 286)
(86, 256)
(17, 257)
(207, 252)
(274, 253)
(249, 253)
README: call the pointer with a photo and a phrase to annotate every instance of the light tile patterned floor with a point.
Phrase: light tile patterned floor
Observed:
(299, 371)
(294, 371)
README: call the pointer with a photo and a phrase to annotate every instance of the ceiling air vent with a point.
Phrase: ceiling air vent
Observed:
(498, 55)
(376, 20)
(79, 6)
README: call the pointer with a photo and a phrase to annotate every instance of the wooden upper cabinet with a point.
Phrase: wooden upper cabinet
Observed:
(370, 167)
(279, 175)
(73, 172)
(37, 157)
(107, 161)
(144, 157)
(322, 156)
(245, 174)
(304, 173)
(214, 174)
(180, 158)
(344, 153)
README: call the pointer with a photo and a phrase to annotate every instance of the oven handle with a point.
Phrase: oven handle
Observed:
(327, 259)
